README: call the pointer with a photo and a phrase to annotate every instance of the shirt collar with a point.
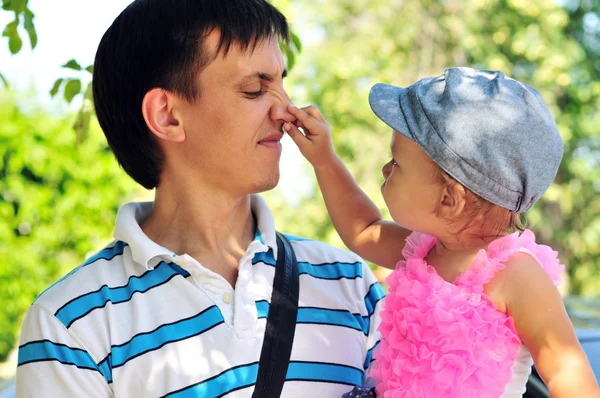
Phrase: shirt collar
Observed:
(265, 224)
(146, 252)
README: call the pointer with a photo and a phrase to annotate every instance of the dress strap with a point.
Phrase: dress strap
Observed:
(487, 263)
(416, 247)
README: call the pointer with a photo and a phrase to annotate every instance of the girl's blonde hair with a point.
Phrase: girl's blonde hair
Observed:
(498, 220)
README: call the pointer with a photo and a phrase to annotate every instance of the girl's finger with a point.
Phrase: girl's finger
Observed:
(314, 112)
(296, 135)
(307, 120)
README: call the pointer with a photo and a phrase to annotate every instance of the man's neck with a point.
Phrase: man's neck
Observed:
(211, 227)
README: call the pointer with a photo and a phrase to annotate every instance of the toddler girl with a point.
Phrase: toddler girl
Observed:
(472, 299)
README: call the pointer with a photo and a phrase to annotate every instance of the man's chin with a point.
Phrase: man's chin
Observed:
(267, 184)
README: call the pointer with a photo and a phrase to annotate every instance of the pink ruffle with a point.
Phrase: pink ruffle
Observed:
(440, 339)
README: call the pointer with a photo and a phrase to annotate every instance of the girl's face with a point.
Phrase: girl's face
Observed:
(410, 190)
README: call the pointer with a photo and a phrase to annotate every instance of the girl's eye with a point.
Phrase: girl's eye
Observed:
(254, 94)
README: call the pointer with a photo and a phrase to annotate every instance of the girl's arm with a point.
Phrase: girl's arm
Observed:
(356, 218)
(544, 327)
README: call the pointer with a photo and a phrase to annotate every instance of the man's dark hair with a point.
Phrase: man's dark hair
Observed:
(160, 43)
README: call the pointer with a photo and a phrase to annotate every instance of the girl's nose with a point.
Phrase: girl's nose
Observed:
(386, 169)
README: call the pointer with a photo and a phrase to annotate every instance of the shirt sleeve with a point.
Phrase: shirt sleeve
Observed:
(53, 363)
(373, 304)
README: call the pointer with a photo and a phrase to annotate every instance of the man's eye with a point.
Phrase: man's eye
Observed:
(254, 94)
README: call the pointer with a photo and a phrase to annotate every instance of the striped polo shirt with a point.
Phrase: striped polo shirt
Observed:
(136, 320)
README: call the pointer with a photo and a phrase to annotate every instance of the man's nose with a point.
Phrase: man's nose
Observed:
(279, 110)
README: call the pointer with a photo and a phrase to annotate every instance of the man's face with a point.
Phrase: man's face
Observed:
(233, 129)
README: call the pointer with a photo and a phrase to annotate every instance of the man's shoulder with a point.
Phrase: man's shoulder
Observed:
(317, 249)
(339, 274)
(96, 271)
(327, 261)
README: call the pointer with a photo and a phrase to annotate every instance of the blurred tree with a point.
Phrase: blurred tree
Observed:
(356, 43)
(57, 204)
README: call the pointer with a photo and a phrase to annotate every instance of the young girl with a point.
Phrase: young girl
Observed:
(470, 302)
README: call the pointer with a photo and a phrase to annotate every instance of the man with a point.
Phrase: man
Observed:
(189, 94)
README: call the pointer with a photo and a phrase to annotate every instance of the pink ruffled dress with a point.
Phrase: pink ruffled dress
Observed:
(448, 340)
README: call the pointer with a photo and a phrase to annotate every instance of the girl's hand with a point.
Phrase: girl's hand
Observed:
(315, 144)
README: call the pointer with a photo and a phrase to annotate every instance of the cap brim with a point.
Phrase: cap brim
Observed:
(385, 103)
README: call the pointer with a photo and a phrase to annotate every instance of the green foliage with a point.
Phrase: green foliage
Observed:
(57, 203)
(22, 17)
(72, 87)
(554, 49)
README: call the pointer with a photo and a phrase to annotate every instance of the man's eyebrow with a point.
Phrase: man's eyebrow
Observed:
(262, 76)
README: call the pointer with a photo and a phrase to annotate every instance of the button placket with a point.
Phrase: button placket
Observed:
(245, 313)
(227, 298)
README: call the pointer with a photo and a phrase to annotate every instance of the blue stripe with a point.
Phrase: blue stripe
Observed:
(165, 334)
(245, 376)
(375, 294)
(323, 316)
(45, 350)
(258, 236)
(83, 305)
(335, 270)
(293, 238)
(324, 372)
(262, 307)
(231, 380)
(369, 358)
(105, 368)
(105, 254)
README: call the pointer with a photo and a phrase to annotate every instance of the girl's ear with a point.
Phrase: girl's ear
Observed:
(452, 200)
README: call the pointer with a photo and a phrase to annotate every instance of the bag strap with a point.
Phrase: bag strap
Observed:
(281, 324)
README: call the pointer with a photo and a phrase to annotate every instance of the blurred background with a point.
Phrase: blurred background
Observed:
(60, 186)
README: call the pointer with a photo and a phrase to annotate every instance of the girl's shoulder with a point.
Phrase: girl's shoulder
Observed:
(519, 250)
(512, 257)
(514, 248)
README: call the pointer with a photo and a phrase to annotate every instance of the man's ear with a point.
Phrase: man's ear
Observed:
(160, 117)
(452, 200)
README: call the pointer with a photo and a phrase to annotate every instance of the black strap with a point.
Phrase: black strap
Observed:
(281, 324)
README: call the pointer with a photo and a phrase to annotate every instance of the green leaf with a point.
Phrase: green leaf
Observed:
(82, 125)
(14, 40)
(291, 58)
(90, 68)
(18, 6)
(89, 94)
(55, 87)
(4, 80)
(30, 27)
(72, 88)
(296, 41)
(10, 28)
(15, 43)
(84, 116)
(72, 64)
